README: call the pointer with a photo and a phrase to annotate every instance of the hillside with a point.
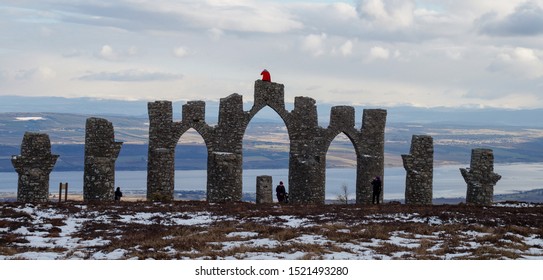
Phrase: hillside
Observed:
(198, 230)
(266, 144)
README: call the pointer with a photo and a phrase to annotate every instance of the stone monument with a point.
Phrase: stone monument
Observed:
(419, 165)
(480, 177)
(264, 189)
(101, 152)
(34, 166)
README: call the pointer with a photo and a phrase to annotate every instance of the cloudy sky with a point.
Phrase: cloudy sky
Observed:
(367, 52)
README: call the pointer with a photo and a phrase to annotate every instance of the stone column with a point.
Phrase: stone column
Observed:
(480, 177)
(101, 152)
(371, 154)
(419, 165)
(161, 153)
(264, 189)
(224, 177)
(306, 159)
(34, 166)
(225, 157)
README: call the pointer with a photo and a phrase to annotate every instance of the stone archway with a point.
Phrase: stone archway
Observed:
(308, 144)
(368, 143)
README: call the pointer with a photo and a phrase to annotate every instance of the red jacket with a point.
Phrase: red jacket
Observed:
(266, 76)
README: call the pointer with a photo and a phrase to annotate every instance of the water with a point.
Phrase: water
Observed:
(448, 182)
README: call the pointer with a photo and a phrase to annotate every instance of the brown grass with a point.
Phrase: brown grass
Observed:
(499, 232)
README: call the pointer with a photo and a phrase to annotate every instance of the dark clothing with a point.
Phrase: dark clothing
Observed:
(118, 194)
(377, 186)
(281, 193)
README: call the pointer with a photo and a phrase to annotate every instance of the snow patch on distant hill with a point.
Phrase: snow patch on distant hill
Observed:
(29, 118)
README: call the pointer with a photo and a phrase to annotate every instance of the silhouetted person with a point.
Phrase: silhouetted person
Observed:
(118, 194)
(377, 187)
(281, 192)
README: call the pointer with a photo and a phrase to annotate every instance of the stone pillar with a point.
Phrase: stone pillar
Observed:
(306, 159)
(371, 154)
(101, 152)
(34, 166)
(161, 154)
(264, 189)
(224, 177)
(225, 157)
(419, 165)
(480, 177)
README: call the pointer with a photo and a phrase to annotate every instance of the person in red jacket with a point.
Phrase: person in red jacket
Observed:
(266, 76)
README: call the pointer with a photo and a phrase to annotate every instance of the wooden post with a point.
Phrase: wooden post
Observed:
(62, 186)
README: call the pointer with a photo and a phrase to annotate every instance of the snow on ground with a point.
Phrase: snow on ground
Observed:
(40, 242)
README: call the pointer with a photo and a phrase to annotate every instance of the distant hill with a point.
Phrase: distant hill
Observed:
(401, 114)
(515, 136)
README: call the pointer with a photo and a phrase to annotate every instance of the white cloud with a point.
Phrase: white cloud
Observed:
(379, 53)
(130, 75)
(314, 44)
(215, 34)
(39, 73)
(388, 14)
(180, 52)
(107, 52)
(525, 20)
(404, 45)
(232, 15)
(347, 48)
(520, 62)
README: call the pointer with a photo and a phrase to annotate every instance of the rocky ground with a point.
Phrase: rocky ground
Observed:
(198, 230)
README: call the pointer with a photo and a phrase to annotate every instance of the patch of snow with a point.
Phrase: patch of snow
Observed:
(242, 234)
(311, 239)
(403, 242)
(29, 118)
(38, 256)
(272, 256)
(473, 233)
(253, 243)
(516, 205)
(114, 255)
(533, 240)
(295, 222)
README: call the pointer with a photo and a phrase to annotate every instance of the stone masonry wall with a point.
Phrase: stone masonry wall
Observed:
(419, 165)
(480, 177)
(101, 152)
(308, 144)
(34, 166)
(264, 189)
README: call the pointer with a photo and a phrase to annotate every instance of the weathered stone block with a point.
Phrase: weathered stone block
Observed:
(419, 171)
(224, 177)
(264, 189)
(101, 152)
(480, 177)
(33, 167)
(342, 117)
(194, 111)
(269, 93)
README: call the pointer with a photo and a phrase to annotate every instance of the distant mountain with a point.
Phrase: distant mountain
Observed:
(405, 114)
(514, 135)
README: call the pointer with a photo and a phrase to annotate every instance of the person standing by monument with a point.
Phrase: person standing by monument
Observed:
(118, 194)
(281, 192)
(377, 187)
